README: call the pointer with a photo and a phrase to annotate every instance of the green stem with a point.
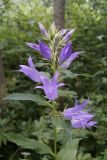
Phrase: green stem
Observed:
(14, 154)
(55, 133)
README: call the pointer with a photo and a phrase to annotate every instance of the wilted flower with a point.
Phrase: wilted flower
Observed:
(43, 30)
(30, 71)
(79, 118)
(50, 87)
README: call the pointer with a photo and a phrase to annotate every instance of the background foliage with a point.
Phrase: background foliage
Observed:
(19, 24)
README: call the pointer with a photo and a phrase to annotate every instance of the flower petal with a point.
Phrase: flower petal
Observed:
(68, 35)
(82, 123)
(79, 107)
(40, 87)
(67, 63)
(61, 84)
(77, 123)
(32, 73)
(30, 62)
(75, 111)
(62, 31)
(65, 52)
(34, 46)
(50, 87)
(43, 30)
(56, 75)
(45, 50)
(91, 123)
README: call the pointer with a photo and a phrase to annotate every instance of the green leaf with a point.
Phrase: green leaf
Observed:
(68, 74)
(83, 156)
(27, 97)
(28, 143)
(66, 93)
(105, 155)
(86, 75)
(69, 152)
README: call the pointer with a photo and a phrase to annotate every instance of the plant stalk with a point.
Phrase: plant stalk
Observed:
(55, 133)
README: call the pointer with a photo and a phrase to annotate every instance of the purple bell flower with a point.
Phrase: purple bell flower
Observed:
(79, 118)
(42, 48)
(43, 30)
(45, 50)
(82, 123)
(30, 71)
(66, 56)
(50, 87)
(65, 52)
(72, 57)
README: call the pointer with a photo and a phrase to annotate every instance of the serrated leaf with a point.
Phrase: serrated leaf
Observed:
(27, 97)
(68, 152)
(28, 143)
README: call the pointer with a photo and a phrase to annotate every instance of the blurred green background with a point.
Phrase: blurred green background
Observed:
(19, 24)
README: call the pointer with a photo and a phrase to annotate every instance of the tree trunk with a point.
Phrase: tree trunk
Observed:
(59, 13)
(3, 89)
(2, 77)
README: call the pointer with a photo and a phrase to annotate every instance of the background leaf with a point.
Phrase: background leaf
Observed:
(28, 143)
(69, 152)
(27, 97)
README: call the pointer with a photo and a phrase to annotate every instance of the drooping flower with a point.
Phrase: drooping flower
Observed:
(30, 71)
(78, 117)
(50, 87)
(66, 56)
(43, 30)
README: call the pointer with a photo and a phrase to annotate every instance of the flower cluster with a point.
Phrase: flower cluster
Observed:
(64, 59)
(60, 55)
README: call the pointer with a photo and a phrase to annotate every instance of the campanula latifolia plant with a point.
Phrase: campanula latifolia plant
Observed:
(56, 50)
